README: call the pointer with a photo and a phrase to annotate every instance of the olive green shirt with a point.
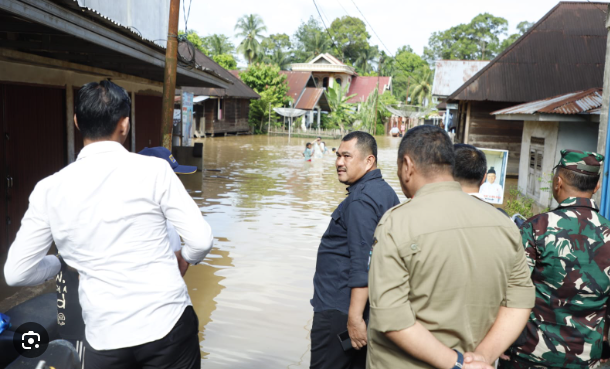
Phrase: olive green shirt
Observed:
(448, 261)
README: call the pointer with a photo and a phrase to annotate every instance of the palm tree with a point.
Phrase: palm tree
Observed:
(366, 57)
(421, 86)
(386, 64)
(219, 44)
(341, 111)
(317, 44)
(251, 27)
(279, 58)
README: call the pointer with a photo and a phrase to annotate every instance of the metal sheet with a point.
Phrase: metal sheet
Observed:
(579, 102)
(449, 75)
(564, 52)
(310, 98)
(297, 82)
(362, 87)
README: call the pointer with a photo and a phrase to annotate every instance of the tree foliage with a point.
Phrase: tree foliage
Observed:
(406, 63)
(267, 81)
(522, 27)
(310, 40)
(366, 59)
(477, 40)
(218, 44)
(342, 113)
(194, 38)
(226, 61)
(421, 86)
(250, 28)
(277, 49)
(350, 36)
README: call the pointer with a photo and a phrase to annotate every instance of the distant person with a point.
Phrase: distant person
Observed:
(341, 278)
(107, 213)
(438, 289)
(317, 151)
(334, 150)
(491, 190)
(568, 252)
(307, 152)
(395, 131)
(324, 148)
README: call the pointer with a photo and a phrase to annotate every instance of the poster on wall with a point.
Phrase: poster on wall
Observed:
(492, 189)
(187, 118)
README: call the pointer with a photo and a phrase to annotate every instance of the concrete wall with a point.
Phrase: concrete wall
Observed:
(549, 131)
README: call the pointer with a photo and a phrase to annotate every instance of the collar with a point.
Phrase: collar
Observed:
(430, 188)
(581, 202)
(373, 174)
(99, 148)
(477, 195)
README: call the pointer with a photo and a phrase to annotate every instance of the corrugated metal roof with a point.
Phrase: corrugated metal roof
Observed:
(310, 97)
(237, 90)
(580, 102)
(449, 75)
(297, 81)
(364, 86)
(563, 52)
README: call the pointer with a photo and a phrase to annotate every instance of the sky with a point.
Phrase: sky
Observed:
(396, 22)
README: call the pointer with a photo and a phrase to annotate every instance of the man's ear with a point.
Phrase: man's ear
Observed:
(76, 123)
(370, 162)
(409, 167)
(598, 185)
(124, 126)
(484, 179)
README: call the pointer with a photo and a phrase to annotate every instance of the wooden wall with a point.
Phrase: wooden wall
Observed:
(484, 131)
(234, 119)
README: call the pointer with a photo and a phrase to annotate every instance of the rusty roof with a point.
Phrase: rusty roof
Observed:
(310, 98)
(449, 75)
(362, 87)
(563, 52)
(297, 82)
(580, 102)
(237, 89)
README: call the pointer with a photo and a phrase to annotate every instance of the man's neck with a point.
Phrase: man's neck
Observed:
(567, 194)
(469, 188)
(88, 141)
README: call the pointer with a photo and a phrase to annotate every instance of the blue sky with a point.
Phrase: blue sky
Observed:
(397, 22)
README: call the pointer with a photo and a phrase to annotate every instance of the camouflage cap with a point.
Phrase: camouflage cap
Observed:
(581, 161)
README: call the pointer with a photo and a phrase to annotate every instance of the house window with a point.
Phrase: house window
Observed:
(338, 81)
(534, 176)
(325, 82)
(317, 82)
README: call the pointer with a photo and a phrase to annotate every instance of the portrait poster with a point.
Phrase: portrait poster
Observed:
(492, 189)
(187, 118)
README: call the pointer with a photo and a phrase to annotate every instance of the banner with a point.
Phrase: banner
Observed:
(187, 118)
(493, 187)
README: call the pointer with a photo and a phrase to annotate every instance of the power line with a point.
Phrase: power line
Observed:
(186, 15)
(324, 24)
(345, 10)
(379, 38)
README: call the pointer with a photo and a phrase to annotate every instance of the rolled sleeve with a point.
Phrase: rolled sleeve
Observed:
(361, 221)
(521, 293)
(389, 287)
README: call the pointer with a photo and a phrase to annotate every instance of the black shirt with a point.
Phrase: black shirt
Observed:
(344, 251)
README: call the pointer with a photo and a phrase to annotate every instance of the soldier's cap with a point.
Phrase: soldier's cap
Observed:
(584, 162)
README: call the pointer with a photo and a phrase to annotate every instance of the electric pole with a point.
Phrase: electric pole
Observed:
(169, 79)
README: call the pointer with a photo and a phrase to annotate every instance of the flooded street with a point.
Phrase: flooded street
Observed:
(268, 210)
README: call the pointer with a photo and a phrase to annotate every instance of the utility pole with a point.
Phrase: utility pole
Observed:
(169, 79)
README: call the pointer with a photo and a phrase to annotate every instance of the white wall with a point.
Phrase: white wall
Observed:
(549, 131)
(148, 17)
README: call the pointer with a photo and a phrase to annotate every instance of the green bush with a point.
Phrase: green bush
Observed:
(380, 129)
(518, 203)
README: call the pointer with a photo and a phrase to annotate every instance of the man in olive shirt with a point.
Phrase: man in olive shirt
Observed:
(437, 286)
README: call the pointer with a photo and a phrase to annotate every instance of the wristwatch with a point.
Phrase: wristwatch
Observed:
(460, 360)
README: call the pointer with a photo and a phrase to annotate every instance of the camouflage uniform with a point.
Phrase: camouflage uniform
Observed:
(568, 252)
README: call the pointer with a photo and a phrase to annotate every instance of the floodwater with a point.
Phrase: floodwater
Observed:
(268, 209)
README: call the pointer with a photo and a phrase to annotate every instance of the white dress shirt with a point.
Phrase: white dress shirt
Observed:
(107, 214)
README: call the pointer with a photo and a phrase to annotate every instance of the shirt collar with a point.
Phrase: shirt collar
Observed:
(439, 187)
(373, 174)
(99, 148)
(581, 202)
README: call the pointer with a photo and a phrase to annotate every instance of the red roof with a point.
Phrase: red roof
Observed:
(310, 98)
(364, 86)
(297, 81)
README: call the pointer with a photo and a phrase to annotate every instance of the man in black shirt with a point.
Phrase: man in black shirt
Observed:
(340, 298)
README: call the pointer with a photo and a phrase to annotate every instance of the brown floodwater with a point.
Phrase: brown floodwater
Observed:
(268, 209)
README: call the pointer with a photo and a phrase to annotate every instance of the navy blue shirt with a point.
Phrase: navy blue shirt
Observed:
(344, 251)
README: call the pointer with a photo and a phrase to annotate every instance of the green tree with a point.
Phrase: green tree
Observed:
(280, 58)
(194, 39)
(342, 113)
(310, 40)
(277, 50)
(421, 86)
(226, 61)
(218, 44)
(350, 37)
(366, 58)
(250, 28)
(522, 28)
(267, 81)
(387, 64)
(477, 40)
(406, 63)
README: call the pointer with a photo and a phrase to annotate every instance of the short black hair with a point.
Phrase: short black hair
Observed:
(582, 182)
(99, 107)
(429, 147)
(307, 144)
(365, 142)
(470, 164)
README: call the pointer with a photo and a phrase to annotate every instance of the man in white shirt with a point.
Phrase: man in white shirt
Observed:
(107, 214)
(491, 191)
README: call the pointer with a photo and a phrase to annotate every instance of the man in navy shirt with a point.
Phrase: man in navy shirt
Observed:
(340, 300)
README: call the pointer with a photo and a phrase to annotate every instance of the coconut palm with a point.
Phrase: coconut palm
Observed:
(279, 58)
(318, 43)
(386, 64)
(250, 28)
(421, 86)
(366, 58)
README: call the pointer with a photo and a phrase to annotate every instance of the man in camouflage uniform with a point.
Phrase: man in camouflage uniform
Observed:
(568, 252)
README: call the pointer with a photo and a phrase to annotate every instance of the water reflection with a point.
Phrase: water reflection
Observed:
(268, 209)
